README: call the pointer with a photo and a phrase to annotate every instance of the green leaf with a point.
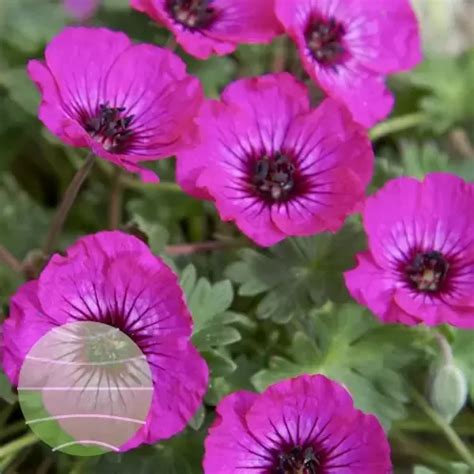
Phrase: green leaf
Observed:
(157, 234)
(450, 90)
(423, 470)
(298, 274)
(349, 346)
(23, 222)
(20, 89)
(209, 305)
(6, 389)
(180, 455)
(29, 24)
(215, 73)
(207, 301)
(215, 336)
(419, 160)
(198, 419)
(220, 363)
(464, 356)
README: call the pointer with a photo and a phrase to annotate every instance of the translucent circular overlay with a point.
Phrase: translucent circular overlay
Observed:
(85, 388)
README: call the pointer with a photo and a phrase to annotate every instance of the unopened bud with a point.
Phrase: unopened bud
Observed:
(448, 392)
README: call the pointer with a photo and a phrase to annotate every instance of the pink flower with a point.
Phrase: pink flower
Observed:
(304, 425)
(81, 10)
(127, 103)
(348, 47)
(420, 264)
(114, 279)
(204, 27)
(275, 166)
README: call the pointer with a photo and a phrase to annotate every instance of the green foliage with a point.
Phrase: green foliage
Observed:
(180, 455)
(298, 274)
(347, 345)
(209, 305)
(448, 81)
(463, 351)
(23, 222)
(6, 389)
(260, 315)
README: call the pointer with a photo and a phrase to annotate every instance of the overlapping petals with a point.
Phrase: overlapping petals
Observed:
(307, 424)
(275, 166)
(348, 47)
(419, 267)
(113, 278)
(205, 27)
(127, 103)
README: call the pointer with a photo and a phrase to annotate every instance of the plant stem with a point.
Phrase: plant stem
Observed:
(445, 348)
(116, 197)
(66, 204)
(417, 426)
(161, 186)
(26, 440)
(415, 449)
(280, 56)
(12, 429)
(455, 441)
(189, 249)
(171, 43)
(397, 124)
(9, 260)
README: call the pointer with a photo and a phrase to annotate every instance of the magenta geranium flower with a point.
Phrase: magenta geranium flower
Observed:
(419, 267)
(348, 47)
(305, 425)
(204, 27)
(274, 165)
(113, 278)
(127, 103)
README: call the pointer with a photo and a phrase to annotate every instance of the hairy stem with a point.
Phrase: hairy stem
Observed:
(451, 435)
(397, 124)
(445, 348)
(116, 197)
(66, 204)
(10, 260)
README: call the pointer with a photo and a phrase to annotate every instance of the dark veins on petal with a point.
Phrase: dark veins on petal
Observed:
(193, 14)
(298, 460)
(274, 178)
(427, 271)
(324, 39)
(111, 126)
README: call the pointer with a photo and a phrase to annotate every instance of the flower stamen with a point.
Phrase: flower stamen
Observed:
(324, 40)
(298, 461)
(274, 178)
(427, 271)
(111, 127)
(192, 13)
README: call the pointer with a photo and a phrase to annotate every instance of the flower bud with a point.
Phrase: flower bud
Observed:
(448, 391)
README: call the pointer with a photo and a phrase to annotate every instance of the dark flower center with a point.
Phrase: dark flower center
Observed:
(192, 13)
(298, 461)
(427, 271)
(111, 127)
(324, 40)
(274, 178)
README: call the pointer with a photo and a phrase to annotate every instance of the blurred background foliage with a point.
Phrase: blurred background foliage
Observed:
(260, 315)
